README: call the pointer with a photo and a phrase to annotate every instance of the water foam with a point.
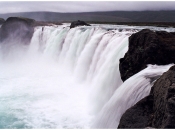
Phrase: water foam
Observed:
(65, 78)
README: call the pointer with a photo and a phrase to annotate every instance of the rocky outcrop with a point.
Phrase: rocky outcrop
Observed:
(17, 30)
(156, 110)
(2, 21)
(147, 47)
(163, 93)
(138, 116)
(78, 23)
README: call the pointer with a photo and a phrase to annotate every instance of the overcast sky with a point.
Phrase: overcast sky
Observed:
(84, 6)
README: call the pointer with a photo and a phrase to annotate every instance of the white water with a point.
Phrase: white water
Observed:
(129, 93)
(69, 78)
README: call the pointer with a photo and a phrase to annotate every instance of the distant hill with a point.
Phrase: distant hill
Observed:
(110, 16)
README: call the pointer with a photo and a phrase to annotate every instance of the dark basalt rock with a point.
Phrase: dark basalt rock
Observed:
(163, 93)
(17, 30)
(156, 110)
(138, 116)
(2, 21)
(147, 47)
(78, 23)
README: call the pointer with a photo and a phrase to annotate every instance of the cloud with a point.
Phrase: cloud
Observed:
(84, 6)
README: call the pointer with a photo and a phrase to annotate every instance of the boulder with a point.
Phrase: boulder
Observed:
(157, 110)
(78, 23)
(17, 30)
(147, 47)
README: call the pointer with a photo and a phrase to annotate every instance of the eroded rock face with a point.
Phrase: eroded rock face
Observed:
(17, 30)
(147, 47)
(156, 110)
(163, 93)
(78, 23)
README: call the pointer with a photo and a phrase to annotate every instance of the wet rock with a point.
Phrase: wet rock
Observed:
(163, 93)
(2, 21)
(156, 110)
(17, 30)
(78, 23)
(147, 47)
(139, 115)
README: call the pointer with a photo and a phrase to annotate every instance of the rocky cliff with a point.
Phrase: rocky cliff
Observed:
(147, 47)
(156, 110)
(17, 30)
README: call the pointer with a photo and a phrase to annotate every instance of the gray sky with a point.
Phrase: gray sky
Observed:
(83, 6)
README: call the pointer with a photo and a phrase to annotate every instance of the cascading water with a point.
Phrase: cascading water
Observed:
(69, 78)
(129, 93)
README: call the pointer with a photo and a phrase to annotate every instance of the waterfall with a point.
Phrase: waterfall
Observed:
(129, 93)
(69, 78)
